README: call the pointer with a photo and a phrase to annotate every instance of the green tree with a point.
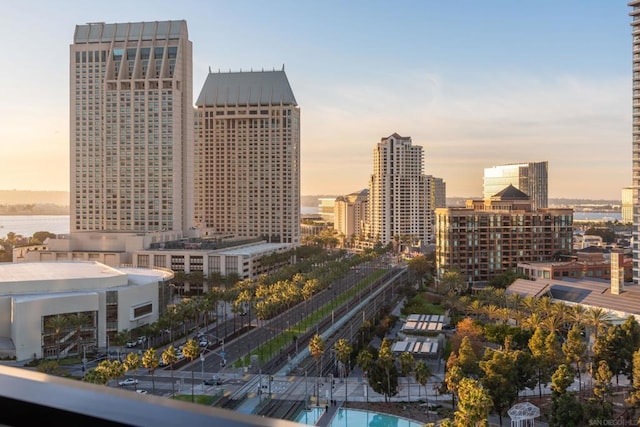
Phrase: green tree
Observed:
(40, 236)
(566, 410)
(602, 381)
(499, 371)
(383, 378)
(633, 401)
(630, 343)
(110, 369)
(422, 267)
(452, 378)
(574, 349)
(610, 347)
(452, 281)
(95, 376)
(474, 404)
(540, 358)
(599, 407)
(467, 358)
(506, 278)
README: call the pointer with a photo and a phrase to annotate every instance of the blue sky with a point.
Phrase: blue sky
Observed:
(476, 83)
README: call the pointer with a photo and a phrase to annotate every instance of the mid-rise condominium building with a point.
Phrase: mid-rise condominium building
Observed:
(530, 178)
(350, 214)
(438, 192)
(488, 237)
(131, 133)
(399, 193)
(248, 149)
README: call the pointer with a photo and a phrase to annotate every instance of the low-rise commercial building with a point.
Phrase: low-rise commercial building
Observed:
(60, 308)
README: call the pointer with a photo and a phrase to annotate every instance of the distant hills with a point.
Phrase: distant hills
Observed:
(23, 197)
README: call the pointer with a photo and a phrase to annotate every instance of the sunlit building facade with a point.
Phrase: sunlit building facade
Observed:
(248, 150)
(488, 237)
(530, 178)
(400, 200)
(635, 173)
(131, 119)
(350, 214)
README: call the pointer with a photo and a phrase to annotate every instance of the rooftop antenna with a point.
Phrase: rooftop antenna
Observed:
(282, 67)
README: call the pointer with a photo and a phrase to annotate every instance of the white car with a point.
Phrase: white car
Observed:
(128, 381)
(140, 391)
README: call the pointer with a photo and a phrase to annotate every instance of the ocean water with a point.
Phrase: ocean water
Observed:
(28, 225)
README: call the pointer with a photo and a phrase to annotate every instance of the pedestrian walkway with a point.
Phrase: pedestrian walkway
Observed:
(327, 415)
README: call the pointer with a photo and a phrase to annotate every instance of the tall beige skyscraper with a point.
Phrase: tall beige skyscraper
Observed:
(248, 150)
(399, 193)
(530, 178)
(131, 130)
(635, 154)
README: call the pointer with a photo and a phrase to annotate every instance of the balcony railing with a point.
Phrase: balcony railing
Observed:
(32, 398)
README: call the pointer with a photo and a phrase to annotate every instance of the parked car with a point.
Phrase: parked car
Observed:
(128, 381)
(141, 391)
(204, 343)
(216, 380)
(131, 344)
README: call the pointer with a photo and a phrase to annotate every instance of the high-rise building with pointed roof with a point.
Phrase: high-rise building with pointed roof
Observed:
(131, 127)
(248, 151)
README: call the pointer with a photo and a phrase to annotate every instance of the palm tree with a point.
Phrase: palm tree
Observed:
(191, 350)
(475, 309)
(151, 362)
(422, 372)
(386, 360)
(407, 365)
(596, 319)
(169, 357)
(132, 363)
(578, 314)
(56, 324)
(120, 339)
(365, 362)
(343, 350)
(110, 369)
(316, 348)
(78, 321)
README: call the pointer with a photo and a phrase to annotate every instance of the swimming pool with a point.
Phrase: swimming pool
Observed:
(356, 418)
(310, 416)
